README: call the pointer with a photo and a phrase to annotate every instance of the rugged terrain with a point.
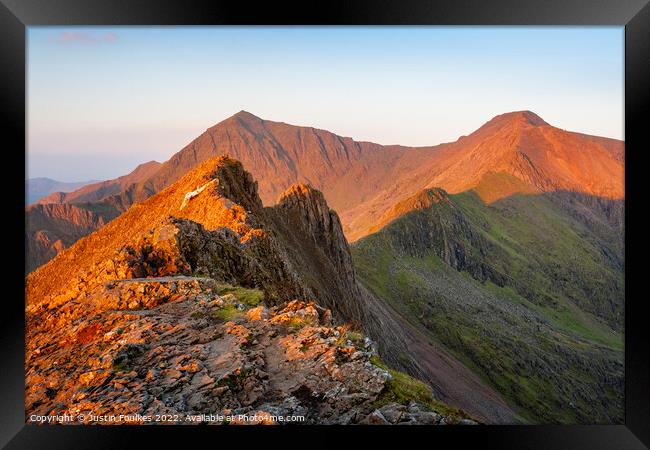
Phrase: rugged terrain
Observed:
(491, 268)
(362, 180)
(171, 349)
(528, 290)
(189, 302)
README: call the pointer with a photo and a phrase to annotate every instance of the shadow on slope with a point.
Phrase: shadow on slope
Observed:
(527, 290)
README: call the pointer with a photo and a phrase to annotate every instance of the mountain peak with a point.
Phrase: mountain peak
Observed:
(511, 121)
(525, 116)
(232, 181)
(304, 197)
(246, 116)
(531, 118)
(239, 119)
(300, 190)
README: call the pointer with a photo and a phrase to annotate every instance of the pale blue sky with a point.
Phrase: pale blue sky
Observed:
(102, 100)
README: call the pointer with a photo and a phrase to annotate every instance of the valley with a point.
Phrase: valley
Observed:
(518, 290)
(486, 273)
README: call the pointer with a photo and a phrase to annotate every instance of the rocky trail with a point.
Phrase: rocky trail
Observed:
(171, 347)
(166, 307)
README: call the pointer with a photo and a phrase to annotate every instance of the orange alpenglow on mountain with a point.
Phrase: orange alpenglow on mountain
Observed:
(140, 322)
(513, 152)
(223, 279)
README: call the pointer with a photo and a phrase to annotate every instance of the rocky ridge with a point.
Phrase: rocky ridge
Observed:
(188, 303)
(530, 289)
(362, 181)
(138, 349)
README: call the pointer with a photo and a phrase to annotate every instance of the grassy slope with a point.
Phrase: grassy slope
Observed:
(534, 338)
(545, 251)
(403, 388)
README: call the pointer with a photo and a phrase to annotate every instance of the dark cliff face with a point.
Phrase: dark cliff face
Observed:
(296, 249)
(436, 225)
(313, 238)
(237, 185)
(187, 247)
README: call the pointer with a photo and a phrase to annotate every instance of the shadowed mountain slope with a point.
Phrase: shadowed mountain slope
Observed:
(527, 290)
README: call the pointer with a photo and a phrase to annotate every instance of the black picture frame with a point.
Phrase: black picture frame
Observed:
(634, 15)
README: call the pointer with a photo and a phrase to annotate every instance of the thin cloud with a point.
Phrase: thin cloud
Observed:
(111, 37)
(76, 37)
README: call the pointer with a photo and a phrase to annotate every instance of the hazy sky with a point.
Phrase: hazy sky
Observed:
(102, 100)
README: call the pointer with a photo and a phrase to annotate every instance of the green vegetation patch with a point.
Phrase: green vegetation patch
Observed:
(357, 339)
(403, 389)
(529, 309)
(121, 366)
(227, 313)
(247, 296)
(234, 381)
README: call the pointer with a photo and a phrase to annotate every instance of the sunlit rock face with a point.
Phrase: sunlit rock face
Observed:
(362, 181)
(191, 303)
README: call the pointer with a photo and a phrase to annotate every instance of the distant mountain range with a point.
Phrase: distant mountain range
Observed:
(37, 188)
(99, 190)
(362, 180)
(491, 268)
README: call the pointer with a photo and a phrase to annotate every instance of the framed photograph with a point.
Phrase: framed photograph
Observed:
(361, 219)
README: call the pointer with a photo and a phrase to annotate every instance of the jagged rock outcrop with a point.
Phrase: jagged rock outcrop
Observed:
(319, 248)
(223, 231)
(188, 304)
(310, 209)
(216, 232)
